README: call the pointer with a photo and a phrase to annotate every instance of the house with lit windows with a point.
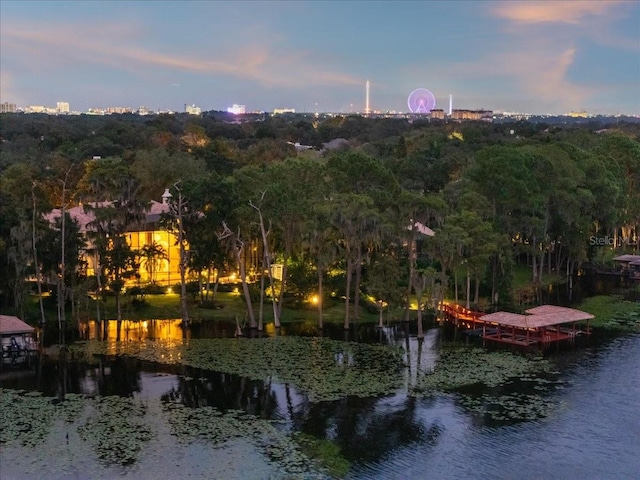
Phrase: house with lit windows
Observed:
(166, 268)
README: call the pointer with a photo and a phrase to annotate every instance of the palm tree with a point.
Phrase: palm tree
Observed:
(151, 255)
(116, 208)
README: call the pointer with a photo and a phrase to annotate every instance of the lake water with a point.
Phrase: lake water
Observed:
(591, 429)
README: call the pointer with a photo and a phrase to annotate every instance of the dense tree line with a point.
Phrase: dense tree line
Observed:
(344, 222)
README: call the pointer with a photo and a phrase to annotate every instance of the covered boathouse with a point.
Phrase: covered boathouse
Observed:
(629, 265)
(16, 341)
(541, 325)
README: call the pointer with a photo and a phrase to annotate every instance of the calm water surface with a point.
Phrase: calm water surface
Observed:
(592, 433)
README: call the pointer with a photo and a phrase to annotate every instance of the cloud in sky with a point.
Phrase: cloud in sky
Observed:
(114, 45)
(548, 39)
(556, 11)
(536, 72)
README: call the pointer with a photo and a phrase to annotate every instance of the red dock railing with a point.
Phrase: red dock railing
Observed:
(460, 315)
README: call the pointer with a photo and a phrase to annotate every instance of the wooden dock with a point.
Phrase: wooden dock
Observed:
(541, 325)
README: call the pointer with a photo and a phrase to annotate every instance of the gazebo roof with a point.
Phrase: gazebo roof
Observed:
(627, 258)
(571, 314)
(538, 317)
(10, 325)
(506, 318)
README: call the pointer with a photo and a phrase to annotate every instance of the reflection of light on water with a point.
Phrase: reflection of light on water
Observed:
(136, 330)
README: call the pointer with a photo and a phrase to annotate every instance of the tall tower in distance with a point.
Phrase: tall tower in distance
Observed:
(367, 110)
(450, 104)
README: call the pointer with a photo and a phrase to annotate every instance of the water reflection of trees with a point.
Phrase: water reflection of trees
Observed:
(225, 391)
(103, 376)
(366, 429)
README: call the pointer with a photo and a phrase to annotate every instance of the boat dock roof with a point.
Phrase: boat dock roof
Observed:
(10, 325)
(632, 259)
(538, 317)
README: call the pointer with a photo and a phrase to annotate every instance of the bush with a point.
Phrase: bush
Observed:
(156, 289)
(193, 289)
(136, 292)
(211, 305)
(229, 287)
(138, 304)
(369, 306)
(295, 302)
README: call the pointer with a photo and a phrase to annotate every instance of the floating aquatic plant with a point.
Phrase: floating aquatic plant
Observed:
(462, 367)
(328, 453)
(624, 321)
(509, 408)
(217, 428)
(459, 369)
(26, 417)
(118, 430)
(322, 368)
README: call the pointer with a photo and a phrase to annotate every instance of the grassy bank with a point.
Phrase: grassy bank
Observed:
(522, 278)
(612, 313)
(229, 306)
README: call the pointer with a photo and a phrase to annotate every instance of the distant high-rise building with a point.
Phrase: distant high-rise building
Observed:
(62, 107)
(280, 111)
(485, 115)
(192, 110)
(40, 109)
(237, 109)
(118, 110)
(7, 107)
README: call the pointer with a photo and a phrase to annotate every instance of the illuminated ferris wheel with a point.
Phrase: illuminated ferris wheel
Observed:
(421, 100)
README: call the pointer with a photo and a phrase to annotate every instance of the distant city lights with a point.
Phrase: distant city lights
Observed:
(237, 109)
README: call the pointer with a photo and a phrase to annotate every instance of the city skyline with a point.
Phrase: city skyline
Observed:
(537, 57)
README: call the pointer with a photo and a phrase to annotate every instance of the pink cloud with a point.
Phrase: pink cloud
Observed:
(119, 46)
(559, 11)
(534, 69)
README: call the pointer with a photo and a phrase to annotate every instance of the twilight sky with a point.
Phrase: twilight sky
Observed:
(549, 56)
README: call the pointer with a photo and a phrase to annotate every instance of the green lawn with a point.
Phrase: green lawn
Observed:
(522, 277)
(610, 312)
(167, 306)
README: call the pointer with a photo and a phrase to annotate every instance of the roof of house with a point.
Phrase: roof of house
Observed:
(538, 317)
(155, 211)
(84, 218)
(10, 325)
(423, 229)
